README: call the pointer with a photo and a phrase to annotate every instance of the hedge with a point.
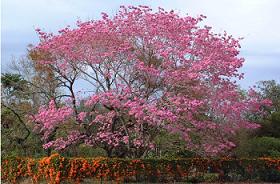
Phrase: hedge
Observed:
(56, 168)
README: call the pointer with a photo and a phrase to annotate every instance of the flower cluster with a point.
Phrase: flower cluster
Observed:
(48, 118)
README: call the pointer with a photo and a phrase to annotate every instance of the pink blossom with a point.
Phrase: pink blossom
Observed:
(82, 116)
(150, 71)
(125, 139)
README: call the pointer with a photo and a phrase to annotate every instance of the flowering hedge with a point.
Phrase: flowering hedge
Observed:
(56, 168)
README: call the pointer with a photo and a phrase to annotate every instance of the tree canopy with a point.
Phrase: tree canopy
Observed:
(149, 71)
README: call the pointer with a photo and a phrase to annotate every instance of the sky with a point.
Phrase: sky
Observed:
(254, 20)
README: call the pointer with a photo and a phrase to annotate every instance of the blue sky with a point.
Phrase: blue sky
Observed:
(255, 20)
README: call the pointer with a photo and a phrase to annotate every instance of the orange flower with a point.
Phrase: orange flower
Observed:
(57, 178)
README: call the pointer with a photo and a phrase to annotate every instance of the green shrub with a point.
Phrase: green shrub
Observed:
(259, 147)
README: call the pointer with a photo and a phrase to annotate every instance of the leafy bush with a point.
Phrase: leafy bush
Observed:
(260, 147)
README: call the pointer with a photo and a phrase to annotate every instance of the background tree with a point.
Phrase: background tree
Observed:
(266, 140)
(16, 134)
(271, 124)
(24, 90)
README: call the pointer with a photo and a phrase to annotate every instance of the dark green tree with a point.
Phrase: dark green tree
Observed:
(16, 134)
(266, 140)
(271, 123)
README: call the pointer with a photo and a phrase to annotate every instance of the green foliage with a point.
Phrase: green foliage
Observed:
(17, 139)
(259, 147)
(210, 177)
(14, 141)
(13, 85)
(84, 150)
(10, 80)
(169, 146)
(271, 126)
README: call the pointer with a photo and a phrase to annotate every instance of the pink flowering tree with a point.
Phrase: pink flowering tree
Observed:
(149, 71)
